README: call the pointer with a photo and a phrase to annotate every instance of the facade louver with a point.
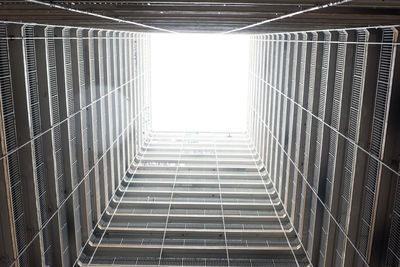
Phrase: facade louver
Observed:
(313, 181)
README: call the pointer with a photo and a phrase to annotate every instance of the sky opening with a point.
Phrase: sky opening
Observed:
(199, 82)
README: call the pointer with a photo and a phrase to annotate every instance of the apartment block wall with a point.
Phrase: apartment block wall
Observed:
(74, 114)
(324, 118)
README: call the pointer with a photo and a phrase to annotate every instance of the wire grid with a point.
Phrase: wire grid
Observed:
(170, 204)
(13, 161)
(40, 174)
(70, 117)
(58, 159)
(315, 193)
(76, 187)
(222, 205)
(333, 130)
(279, 219)
(56, 125)
(174, 225)
(338, 42)
(273, 135)
(92, 232)
(140, 261)
(112, 216)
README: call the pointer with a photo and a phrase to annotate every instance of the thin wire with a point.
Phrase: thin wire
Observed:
(68, 117)
(63, 26)
(75, 38)
(115, 210)
(196, 132)
(111, 199)
(73, 190)
(311, 188)
(322, 42)
(170, 203)
(288, 15)
(222, 204)
(393, 252)
(105, 210)
(335, 29)
(276, 212)
(331, 127)
(99, 15)
(89, 171)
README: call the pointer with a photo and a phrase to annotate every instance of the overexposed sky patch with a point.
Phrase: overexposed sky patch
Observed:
(199, 82)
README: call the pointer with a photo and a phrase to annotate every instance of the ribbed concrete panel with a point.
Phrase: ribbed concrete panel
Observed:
(65, 121)
(323, 105)
(313, 182)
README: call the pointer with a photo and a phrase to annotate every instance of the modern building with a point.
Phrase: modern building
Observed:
(85, 181)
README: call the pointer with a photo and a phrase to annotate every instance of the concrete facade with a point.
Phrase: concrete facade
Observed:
(84, 181)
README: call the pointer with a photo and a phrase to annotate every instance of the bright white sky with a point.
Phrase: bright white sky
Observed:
(199, 82)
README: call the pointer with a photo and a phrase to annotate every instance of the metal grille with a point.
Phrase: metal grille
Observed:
(297, 97)
(353, 132)
(65, 216)
(377, 136)
(14, 171)
(207, 220)
(38, 164)
(330, 106)
(393, 252)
